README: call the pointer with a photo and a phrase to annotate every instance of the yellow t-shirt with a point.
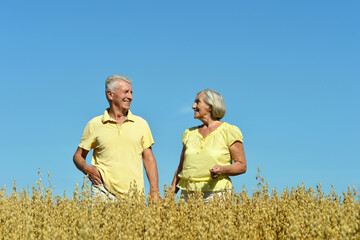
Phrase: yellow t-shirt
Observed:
(118, 150)
(201, 154)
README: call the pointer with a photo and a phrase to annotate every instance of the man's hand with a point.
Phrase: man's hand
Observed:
(154, 196)
(94, 175)
(151, 172)
(91, 171)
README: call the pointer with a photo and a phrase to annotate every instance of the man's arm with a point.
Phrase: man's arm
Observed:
(91, 171)
(151, 172)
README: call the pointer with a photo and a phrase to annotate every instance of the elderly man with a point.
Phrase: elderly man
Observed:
(122, 144)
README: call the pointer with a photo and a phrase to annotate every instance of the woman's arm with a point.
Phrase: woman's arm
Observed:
(176, 179)
(239, 165)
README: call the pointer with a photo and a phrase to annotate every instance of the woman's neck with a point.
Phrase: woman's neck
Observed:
(209, 122)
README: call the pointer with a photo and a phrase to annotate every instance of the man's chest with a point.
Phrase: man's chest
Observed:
(119, 135)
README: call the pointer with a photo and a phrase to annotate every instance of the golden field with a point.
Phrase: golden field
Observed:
(296, 213)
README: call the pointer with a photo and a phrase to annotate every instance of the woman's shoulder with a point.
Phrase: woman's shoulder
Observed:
(232, 133)
(192, 129)
(229, 126)
(230, 129)
(189, 132)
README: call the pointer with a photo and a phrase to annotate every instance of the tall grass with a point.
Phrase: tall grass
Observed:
(296, 213)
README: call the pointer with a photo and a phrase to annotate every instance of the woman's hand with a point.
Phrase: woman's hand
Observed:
(238, 167)
(216, 171)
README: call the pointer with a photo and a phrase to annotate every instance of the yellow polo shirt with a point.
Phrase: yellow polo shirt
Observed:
(118, 150)
(201, 154)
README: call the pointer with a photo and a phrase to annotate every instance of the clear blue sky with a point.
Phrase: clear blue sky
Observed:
(288, 70)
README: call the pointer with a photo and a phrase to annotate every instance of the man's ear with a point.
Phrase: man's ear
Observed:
(109, 95)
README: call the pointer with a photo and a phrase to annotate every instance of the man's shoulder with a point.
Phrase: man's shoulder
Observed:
(96, 120)
(139, 119)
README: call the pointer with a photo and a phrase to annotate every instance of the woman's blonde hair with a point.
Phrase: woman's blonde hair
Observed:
(216, 101)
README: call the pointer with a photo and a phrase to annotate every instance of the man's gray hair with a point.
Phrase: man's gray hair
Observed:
(112, 82)
(216, 101)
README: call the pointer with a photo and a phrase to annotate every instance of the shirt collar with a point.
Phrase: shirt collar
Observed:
(106, 117)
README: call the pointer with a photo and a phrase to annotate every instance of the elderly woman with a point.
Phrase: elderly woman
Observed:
(211, 152)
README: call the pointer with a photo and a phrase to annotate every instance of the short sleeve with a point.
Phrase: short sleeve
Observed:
(147, 139)
(87, 141)
(234, 134)
(185, 137)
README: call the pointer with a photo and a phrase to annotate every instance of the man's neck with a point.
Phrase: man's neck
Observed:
(117, 114)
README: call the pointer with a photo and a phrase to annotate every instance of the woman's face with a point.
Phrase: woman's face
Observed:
(201, 108)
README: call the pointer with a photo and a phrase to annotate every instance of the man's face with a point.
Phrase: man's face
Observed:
(122, 96)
